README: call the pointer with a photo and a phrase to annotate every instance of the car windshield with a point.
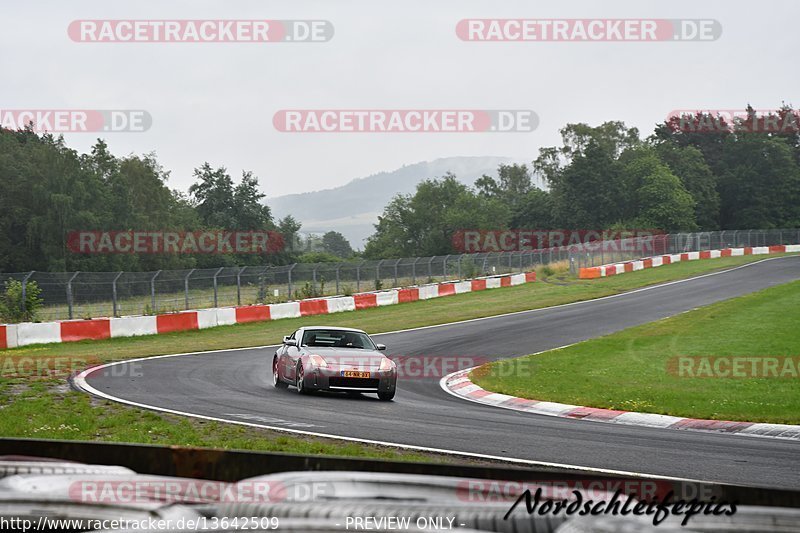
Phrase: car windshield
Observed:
(337, 339)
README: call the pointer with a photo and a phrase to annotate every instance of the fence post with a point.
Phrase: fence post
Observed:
(338, 267)
(414, 271)
(314, 280)
(430, 268)
(239, 286)
(186, 289)
(395, 271)
(378, 271)
(114, 294)
(25, 291)
(69, 293)
(444, 266)
(358, 276)
(153, 292)
(459, 265)
(289, 275)
(215, 284)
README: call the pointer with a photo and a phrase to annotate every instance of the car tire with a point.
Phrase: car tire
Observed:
(385, 396)
(299, 381)
(276, 380)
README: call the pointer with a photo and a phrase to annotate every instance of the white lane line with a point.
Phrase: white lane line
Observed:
(80, 382)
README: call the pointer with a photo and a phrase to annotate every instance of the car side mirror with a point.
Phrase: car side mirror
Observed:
(289, 342)
(380, 347)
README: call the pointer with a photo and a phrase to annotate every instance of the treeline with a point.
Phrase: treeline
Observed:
(683, 177)
(48, 190)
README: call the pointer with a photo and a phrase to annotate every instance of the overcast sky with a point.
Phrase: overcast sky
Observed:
(215, 101)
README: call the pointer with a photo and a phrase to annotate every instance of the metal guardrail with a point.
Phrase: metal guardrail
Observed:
(69, 295)
(231, 465)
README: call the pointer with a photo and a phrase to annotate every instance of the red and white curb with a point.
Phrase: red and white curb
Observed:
(14, 335)
(458, 384)
(661, 260)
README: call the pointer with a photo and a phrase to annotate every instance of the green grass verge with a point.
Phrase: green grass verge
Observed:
(41, 407)
(635, 369)
(42, 411)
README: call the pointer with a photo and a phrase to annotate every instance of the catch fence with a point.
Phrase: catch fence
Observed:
(71, 295)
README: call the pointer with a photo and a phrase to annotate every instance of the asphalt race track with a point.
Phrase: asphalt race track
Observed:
(235, 385)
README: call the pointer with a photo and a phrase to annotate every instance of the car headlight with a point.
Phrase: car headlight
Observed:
(387, 364)
(318, 361)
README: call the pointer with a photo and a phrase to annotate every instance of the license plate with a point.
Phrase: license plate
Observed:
(355, 374)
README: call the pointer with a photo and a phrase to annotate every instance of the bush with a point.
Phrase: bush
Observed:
(310, 291)
(11, 308)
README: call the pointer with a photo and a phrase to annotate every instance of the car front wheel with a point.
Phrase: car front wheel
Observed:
(301, 386)
(385, 396)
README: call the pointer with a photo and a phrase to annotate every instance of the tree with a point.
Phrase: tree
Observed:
(213, 194)
(688, 164)
(250, 213)
(612, 138)
(760, 183)
(513, 183)
(663, 203)
(535, 211)
(336, 244)
(289, 228)
(589, 192)
(424, 223)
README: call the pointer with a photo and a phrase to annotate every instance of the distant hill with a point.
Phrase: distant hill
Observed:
(353, 209)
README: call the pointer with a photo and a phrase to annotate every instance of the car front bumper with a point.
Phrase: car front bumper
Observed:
(331, 378)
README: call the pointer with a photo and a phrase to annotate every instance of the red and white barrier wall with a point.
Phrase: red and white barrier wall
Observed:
(659, 260)
(13, 335)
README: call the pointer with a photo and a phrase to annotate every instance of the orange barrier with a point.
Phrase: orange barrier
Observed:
(593, 272)
(79, 330)
(407, 295)
(176, 322)
(363, 301)
(252, 313)
(313, 307)
(478, 284)
(448, 289)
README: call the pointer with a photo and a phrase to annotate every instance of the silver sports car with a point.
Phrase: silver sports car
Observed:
(334, 359)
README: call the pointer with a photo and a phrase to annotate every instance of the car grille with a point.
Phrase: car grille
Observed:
(356, 383)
